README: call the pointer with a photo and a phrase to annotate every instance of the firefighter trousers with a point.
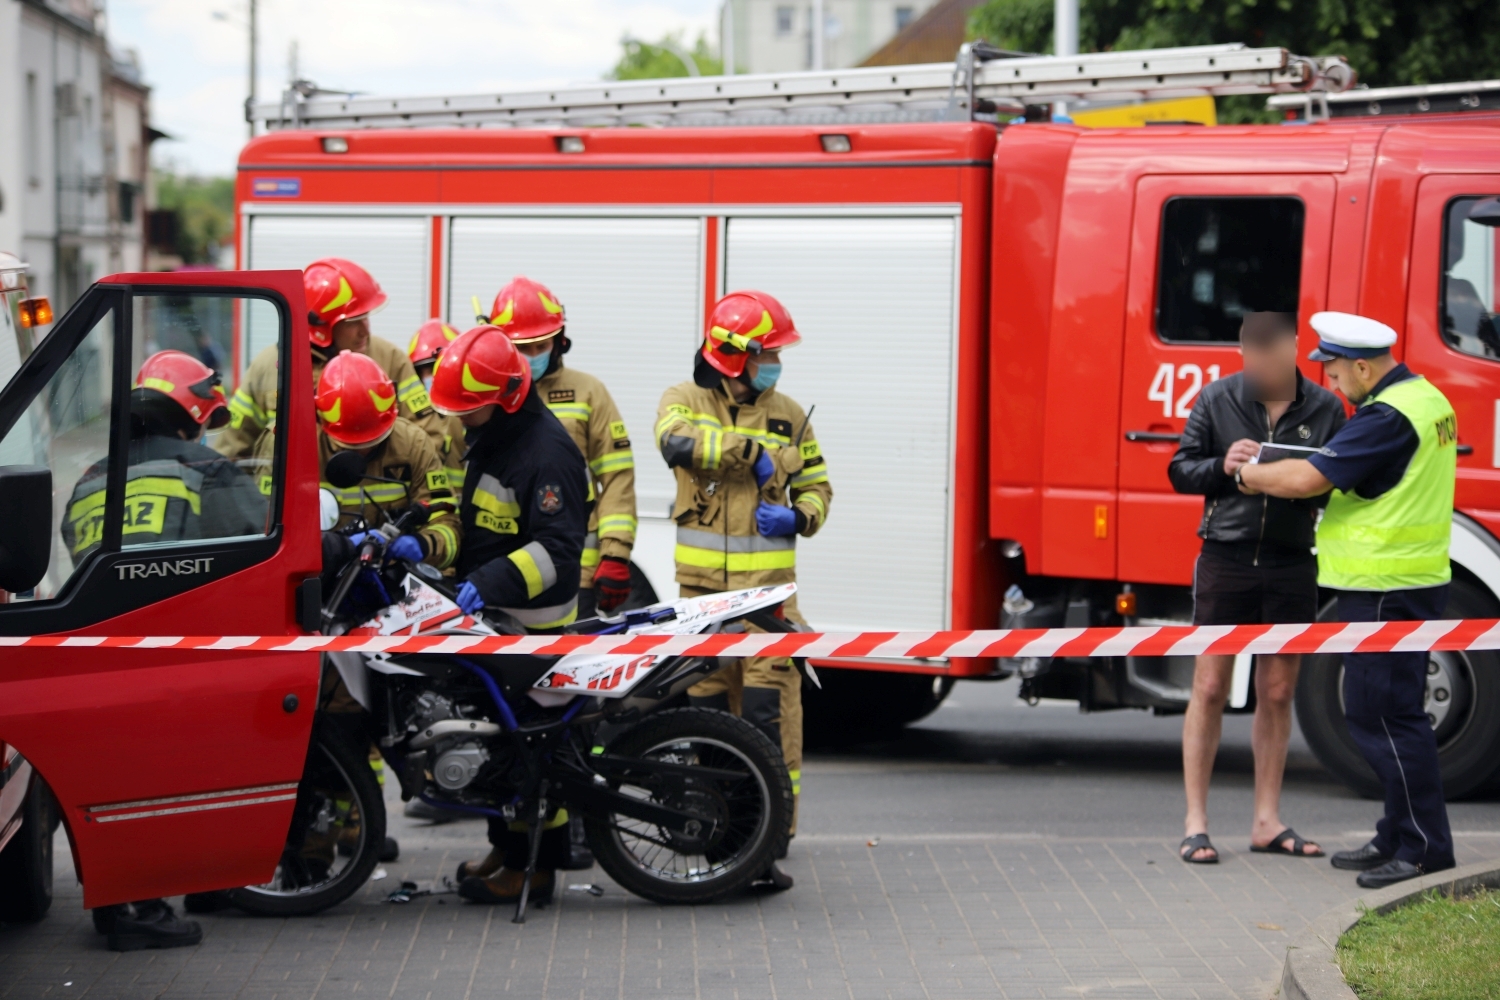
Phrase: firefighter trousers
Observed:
(764, 690)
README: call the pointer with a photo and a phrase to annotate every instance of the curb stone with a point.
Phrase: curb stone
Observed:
(1312, 970)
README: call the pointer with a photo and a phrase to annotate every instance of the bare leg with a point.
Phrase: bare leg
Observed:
(1275, 683)
(1201, 728)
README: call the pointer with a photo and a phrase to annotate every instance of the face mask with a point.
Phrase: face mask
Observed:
(539, 364)
(427, 383)
(765, 377)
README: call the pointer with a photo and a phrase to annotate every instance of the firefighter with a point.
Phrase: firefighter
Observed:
(533, 318)
(341, 295)
(176, 489)
(429, 340)
(750, 479)
(1383, 547)
(525, 511)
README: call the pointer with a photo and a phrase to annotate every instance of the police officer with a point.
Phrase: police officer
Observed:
(750, 479)
(176, 489)
(341, 295)
(534, 320)
(1383, 546)
(425, 346)
(525, 510)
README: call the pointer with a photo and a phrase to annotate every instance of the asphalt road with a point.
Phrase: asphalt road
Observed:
(995, 850)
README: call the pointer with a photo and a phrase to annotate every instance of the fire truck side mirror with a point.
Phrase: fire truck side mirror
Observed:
(25, 525)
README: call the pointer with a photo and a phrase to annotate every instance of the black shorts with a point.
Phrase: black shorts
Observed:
(1232, 593)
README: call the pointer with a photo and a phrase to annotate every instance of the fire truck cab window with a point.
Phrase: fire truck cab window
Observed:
(1468, 306)
(1222, 258)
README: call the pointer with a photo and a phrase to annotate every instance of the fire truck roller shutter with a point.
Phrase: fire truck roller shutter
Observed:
(874, 299)
(394, 250)
(632, 288)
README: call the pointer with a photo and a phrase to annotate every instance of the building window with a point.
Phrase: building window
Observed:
(784, 18)
(1222, 258)
(33, 133)
(1469, 276)
(904, 16)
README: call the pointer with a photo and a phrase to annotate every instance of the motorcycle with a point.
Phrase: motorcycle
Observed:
(679, 804)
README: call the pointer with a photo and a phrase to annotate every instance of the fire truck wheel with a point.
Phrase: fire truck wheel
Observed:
(26, 862)
(1463, 705)
(861, 706)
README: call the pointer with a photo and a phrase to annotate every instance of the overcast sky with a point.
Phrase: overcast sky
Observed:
(196, 63)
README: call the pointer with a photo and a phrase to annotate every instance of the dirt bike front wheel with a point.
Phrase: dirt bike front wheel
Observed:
(339, 805)
(747, 816)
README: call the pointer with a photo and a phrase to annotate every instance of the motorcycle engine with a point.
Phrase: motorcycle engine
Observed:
(459, 765)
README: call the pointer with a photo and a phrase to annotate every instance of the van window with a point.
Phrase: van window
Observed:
(1222, 258)
(1468, 293)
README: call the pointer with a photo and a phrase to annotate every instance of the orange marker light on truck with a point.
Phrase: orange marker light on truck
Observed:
(35, 311)
(1101, 521)
(1125, 604)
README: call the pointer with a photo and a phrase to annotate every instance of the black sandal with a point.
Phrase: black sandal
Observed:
(1295, 851)
(1192, 845)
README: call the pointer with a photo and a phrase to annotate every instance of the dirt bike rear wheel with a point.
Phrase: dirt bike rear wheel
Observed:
(338, 800)
(753, 814)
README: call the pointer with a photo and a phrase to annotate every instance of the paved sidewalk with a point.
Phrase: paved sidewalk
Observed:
(1034, 858)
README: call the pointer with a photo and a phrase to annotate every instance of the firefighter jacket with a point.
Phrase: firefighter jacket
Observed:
(589, 415)
(175, 491)
(712, 443)
(526, 504)
(406, 455)
(451, 452)
(252, 408)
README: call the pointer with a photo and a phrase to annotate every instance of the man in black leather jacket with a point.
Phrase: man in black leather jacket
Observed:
(1256, 566)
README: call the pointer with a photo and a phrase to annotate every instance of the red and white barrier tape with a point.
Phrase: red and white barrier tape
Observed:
(1185, 640)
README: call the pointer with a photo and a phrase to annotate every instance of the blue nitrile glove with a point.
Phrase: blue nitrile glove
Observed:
(774, 521)
(406, 547)
(468, 598)
(764, 468)
(358, 538)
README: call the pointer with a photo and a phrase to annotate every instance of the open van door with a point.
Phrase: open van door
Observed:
(175, 770)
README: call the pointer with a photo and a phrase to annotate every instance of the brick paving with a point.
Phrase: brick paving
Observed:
(1034, 866)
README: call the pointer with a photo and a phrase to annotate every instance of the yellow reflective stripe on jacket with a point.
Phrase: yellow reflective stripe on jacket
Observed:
(536, 566)
(818, 474)
(617, 522)
(760, 436)
(615, 461)
(813, 500)
(571, 411)
(242, 405)
(713, 447)
(450, 542)
(413, 394)
(455, 480)
(491, 496)
(555, 616)
(737, 553)
(162, 486)
(377, 493)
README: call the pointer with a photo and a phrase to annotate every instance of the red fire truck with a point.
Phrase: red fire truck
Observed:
(1006, 323)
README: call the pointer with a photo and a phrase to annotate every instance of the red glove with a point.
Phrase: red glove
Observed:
(612, 583)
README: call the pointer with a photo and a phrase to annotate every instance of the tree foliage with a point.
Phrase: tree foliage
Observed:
(645, 61)
(1389, 42)
(205, 212)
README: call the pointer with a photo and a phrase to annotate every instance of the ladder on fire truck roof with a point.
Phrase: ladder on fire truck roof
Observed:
(984, 83)
(1432, 98)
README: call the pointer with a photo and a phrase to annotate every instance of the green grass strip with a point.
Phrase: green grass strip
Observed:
(1435, 948)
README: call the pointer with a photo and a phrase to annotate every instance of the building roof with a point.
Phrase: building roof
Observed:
(933, 37)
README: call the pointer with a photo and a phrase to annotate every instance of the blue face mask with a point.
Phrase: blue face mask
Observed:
(539, 364)
(765, 376)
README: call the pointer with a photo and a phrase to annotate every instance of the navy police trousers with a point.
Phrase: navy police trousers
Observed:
(1383, 695)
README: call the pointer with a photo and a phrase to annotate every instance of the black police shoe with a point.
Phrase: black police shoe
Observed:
(1388, 874)
(104, 916)
(1360, 859)
(207, 902)
(153, 925)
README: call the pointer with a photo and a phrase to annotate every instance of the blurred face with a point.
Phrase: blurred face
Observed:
(753, 363)
(352, 335)
(1271, 366)
(479, 417)
(536, 348)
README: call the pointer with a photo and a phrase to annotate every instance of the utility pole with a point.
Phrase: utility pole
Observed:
(817, 26)
(726, 37)
(1064, 37)
(250, 101)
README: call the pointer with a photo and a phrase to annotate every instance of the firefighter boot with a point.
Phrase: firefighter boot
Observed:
(153, 925)
(505, 887)
(580, 858)
(491, 863)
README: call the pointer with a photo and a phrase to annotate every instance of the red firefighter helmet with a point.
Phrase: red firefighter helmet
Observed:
(337, 289)
(430, 338)
(189, 383)
(527, 311)
(481, 367)
(745, 323)
(356, 400)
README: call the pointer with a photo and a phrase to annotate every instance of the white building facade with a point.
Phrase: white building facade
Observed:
(777, 36)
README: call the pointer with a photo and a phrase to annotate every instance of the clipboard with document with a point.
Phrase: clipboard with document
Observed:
(1270, 452)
